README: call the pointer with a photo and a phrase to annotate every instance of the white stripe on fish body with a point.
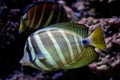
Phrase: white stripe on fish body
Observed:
(41, 17)
(50, 17)
(33, 57)
(45, 52)
(75, 40)
(69, 45)
(57, 47)
(45, 29)
(30, 46)
(77, 43)
(33, 19)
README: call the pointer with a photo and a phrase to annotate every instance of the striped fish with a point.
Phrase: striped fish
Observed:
(42, 14)
(60, 46)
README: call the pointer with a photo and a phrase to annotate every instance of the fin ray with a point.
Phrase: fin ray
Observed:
(80, 29)
(88, 55)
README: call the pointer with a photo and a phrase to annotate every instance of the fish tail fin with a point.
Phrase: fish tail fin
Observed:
(97, 39)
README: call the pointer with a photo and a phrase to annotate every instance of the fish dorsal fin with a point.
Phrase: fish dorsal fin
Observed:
(80, 29)
(28, 7)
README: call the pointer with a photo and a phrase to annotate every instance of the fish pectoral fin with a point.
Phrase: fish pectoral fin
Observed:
(97, 39)
(40, 57)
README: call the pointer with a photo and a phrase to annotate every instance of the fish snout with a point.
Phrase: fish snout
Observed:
(21, 61)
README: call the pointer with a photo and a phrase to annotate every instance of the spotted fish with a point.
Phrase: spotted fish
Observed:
(42, 14)
(62, 46)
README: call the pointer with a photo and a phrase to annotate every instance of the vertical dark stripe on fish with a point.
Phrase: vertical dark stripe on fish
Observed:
(28, 16)
(47, 11)
(35, 47)
(33, 17)
(62, 44)
(29, 53)
(39, 53)
(37, 12)
(51, 15)
(74, 46)
(40, 21)
(73, 43)
(56, 16)
(48, 44)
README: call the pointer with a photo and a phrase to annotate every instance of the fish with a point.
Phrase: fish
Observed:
(64, 45)
(40, 14)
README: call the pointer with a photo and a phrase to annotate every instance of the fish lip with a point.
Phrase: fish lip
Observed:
(21, 62)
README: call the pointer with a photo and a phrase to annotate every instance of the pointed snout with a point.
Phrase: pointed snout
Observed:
(25, 60)
(21, 61)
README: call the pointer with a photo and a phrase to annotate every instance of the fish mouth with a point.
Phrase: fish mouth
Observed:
(21, 62)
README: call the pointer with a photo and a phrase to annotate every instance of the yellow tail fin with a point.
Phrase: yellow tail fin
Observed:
(97, 39)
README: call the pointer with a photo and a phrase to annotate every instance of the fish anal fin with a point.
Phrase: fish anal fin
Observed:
(88, 55)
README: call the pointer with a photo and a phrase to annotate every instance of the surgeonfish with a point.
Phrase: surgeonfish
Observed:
(41, 14)
(62, 46)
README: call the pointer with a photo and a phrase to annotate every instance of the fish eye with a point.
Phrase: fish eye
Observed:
(27, 49)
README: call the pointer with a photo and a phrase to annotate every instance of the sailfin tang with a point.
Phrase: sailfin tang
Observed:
(97, 39)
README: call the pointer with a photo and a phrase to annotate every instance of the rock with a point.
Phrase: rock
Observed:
(102, 67)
